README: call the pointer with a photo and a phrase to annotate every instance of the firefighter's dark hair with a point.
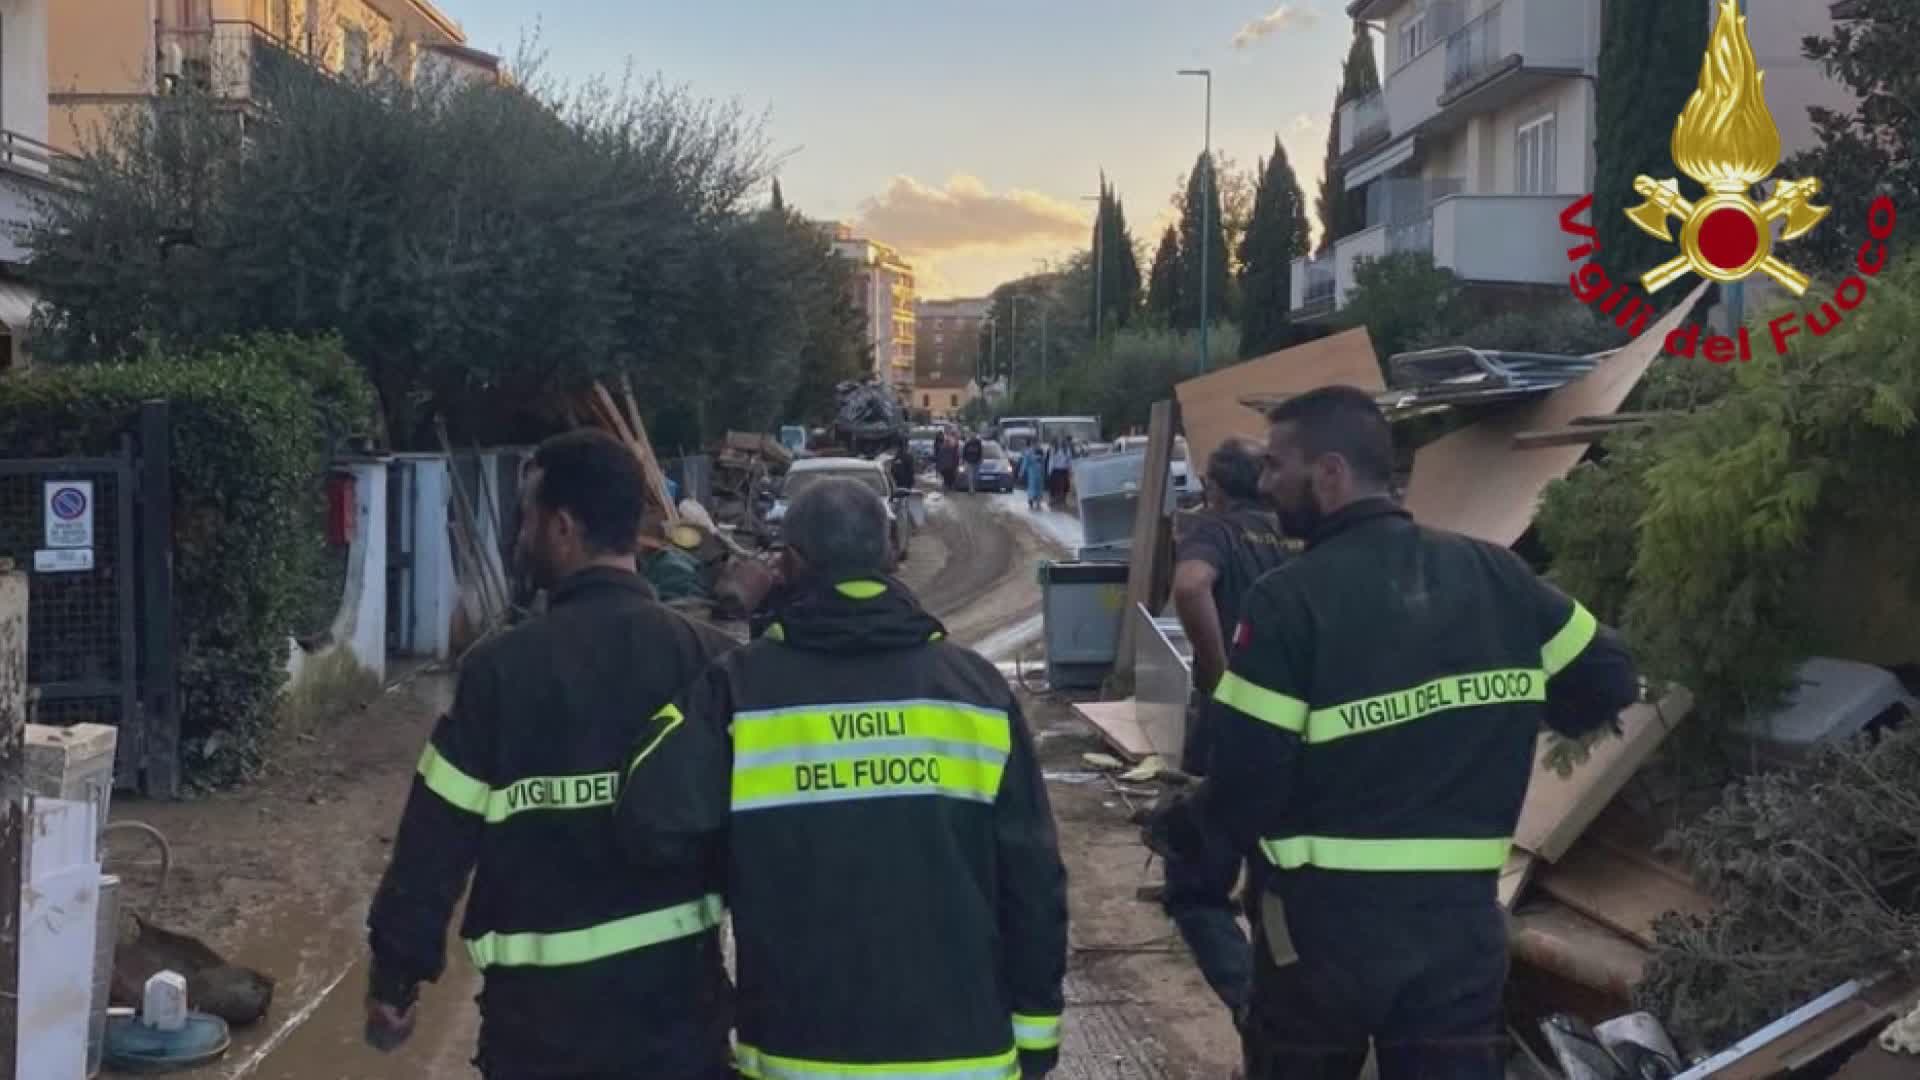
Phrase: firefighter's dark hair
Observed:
(839, 527)
(595, 477)
(1234, 468)
(1342, 420)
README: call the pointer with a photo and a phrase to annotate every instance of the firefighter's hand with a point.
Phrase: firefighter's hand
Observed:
(389, 1026)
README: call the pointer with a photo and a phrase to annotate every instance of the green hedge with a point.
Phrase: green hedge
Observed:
(254, 424)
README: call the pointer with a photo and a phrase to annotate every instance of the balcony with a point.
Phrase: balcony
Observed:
(229, 59)
(1363, 123)
(1473, 51)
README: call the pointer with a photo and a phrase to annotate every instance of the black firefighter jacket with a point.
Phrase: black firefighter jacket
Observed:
(1377, 727)
(589, 966)
(897, 895)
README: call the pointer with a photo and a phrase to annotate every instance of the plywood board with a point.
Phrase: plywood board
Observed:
(1557, 810)
(1554, 939)
(1473, 481)
(1516, 875)
(1210, 405)
(1621, 893)
(1115, 722)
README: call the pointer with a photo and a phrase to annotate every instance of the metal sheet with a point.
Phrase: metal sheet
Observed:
(1162, 683)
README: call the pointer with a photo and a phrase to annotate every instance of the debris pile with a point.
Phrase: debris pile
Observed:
(744, 466)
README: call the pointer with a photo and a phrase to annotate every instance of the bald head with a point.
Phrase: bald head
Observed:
(838, 527)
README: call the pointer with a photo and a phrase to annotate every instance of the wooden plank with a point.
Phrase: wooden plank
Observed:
(1149, 524)
(1471, 481)
(1567, 436)
(1516, 875)
(1557, 810)
(1115, 722)
(1210, 404)
(1617, 892)
(1556, 939)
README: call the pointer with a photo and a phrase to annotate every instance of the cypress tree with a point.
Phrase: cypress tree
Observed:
(1275, 237)
(1342, 214)
(1649, 66)
(1201, 209)
(1163, 281)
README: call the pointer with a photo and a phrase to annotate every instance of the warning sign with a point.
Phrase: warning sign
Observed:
(70, 514)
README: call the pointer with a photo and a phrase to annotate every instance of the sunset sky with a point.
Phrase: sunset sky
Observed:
(965, 133)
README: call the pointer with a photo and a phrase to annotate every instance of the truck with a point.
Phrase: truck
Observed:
(870, 419)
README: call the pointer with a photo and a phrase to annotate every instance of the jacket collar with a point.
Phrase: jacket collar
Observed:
(1354, 515)
(597, 581)
(862, 615)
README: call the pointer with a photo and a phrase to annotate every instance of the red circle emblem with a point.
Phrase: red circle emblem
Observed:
(1728, 238)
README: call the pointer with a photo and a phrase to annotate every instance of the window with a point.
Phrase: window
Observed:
(1533, 154)
(354, 56)
(953, 401)
(1414, 37)
(926, 401)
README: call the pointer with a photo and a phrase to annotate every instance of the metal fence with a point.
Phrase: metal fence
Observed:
(1474, 49)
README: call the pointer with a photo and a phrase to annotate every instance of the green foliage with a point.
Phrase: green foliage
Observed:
(1121, 379)
(1402, 298)
(1117, 284)
(1558, 326)
(1163, 281)
(1815, 878)
(1343, 213)
(1201, 210)
(1650, 60)
(478, 249)
(253, 423)
(1875, 149)
(1729, 502)
(1277, 235)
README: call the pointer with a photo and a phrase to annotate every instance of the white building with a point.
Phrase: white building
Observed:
(883, 291)
(30, 170)
(1483, 131)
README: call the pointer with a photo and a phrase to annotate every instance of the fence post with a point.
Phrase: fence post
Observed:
(13, 803)
(159, 702)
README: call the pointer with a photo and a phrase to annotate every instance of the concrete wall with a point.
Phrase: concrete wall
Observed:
(353, 660)
(1501, 238)
(1794, 83)
(99, 55)
(23, 67)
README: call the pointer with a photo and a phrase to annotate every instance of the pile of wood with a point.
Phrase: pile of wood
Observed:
(743, 464)
(622, 420)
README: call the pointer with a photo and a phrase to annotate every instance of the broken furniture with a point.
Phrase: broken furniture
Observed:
(1106, 489)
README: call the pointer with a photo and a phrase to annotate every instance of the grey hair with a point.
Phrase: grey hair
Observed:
(839, 527)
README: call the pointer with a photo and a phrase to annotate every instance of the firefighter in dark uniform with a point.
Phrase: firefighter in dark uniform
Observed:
(592, 971)
(1375, 733)
(886, 848)
(1219, 553)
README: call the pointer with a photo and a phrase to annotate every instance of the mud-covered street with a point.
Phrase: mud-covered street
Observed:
(278, 876)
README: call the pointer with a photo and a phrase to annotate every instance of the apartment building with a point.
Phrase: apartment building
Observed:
(31, 171)
(1483, 132)
(946, 346)
(107, 55)
(883, 291)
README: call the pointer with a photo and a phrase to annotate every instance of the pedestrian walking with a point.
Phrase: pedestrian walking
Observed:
(1219, 552)
(870, 795)
(1374, 735)
(903, 467)
(1059, 471)
(970, 455)
(515, 790)
(1034, 469)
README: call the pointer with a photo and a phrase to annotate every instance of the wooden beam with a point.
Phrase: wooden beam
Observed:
(1568, 436)
(1149, 523)
(1620, 418)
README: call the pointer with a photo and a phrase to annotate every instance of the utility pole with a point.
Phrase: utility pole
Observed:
(1206, 217)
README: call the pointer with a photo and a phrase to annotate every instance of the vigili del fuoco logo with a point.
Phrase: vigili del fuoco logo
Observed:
(1726, 139)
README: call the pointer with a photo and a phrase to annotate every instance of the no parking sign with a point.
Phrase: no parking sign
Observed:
(70, 513)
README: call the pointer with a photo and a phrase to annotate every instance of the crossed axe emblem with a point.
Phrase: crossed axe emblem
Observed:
(1792, 200)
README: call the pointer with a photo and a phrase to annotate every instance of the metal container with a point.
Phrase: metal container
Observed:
(1119, 551)
(1162, 683)
(106, 936)
(1108, 518)
(1080, 605)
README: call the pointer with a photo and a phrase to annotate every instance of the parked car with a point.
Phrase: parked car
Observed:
(996, 469)
(874, 474)
(1180, 471)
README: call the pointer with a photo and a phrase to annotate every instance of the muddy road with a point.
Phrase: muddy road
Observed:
(278, 876)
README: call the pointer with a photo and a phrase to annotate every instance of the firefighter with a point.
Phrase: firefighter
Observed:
(885, 842)
(1374, 735)
(591, 970)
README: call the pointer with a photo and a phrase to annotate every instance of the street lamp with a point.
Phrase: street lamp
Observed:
(1099, 221)
(1206, 215)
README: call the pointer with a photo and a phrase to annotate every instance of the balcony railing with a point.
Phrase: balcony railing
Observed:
(23, 153)
(1474, 49)
(1416, 235)
(1319, 288)
(1402, 202)
(1363, 121)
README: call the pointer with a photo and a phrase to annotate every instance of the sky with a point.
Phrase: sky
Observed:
(965, 134)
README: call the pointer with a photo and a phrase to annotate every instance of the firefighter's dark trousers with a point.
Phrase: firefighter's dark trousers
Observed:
(1423, 985)
(1199, 895)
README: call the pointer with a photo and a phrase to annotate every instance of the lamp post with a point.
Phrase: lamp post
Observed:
(1099, 265)
(1206, 215)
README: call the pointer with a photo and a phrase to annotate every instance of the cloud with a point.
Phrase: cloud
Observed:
(919, 218)
(1306, 123)
(1284, 17)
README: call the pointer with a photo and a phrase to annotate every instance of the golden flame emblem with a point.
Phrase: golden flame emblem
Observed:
(1727, 140)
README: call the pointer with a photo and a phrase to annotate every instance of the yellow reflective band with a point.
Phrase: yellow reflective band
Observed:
(1283, 712)
(860, 590)
(1570, 642)
(553, 793)
(883, 749)
(756, 1064)
(1036, 1032)
(1429, 856)
(445, 779)
(674, 718)
(1478, 688)
(571, 947)
(776, 632)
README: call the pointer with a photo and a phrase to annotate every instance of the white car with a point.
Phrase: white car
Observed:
(1179, 471)
(809, 471)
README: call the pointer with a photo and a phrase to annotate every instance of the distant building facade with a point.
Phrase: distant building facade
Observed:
(947, 340)
(944, 400)
(883, 291)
